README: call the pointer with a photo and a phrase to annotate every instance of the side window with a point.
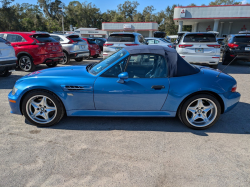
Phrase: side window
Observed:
(1, 35)
(57, 38)
(141, 39)
(150, 42)
(115, 70)
(156, 42)
(147, 66)
(15, 38)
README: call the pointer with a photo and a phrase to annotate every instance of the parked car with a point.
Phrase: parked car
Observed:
(94, 49)
(137, 81)
(73, 47)
(220, 41)
(179, 36)
(199, 48)
(119, 40)
(7, 58)
(159, 34)
(159, 41)
(32, 49)
(100, 42)
(236, 46)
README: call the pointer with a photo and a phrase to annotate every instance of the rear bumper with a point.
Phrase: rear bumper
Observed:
(48, 58)
(7, 65)
(195, 59)
(79, 55)
(94, 52)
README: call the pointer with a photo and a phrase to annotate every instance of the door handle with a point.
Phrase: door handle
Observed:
(158, 87)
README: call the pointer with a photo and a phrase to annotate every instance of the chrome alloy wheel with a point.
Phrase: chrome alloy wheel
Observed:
(25, 63)
(41, 109)
(201, 112)
(65, 58)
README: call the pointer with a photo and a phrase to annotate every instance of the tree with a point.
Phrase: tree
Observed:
(128, 9)
(224, 2)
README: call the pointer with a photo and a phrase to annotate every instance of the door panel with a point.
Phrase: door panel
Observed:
(134, 94)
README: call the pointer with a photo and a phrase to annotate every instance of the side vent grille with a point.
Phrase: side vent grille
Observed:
(74, 87)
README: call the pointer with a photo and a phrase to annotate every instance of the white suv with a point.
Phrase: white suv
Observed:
(7, 58)
(118, 40)
(199, 48)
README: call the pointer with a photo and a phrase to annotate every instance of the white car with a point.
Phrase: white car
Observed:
(199, 48)
(159, 41)
(7, 58)
(73, 46)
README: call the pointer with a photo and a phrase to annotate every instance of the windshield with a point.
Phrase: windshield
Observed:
(97, 68)
(200, 38)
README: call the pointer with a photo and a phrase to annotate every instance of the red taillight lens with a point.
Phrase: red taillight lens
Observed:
(232, 45)
(107, 45)
(131, 44)
(170, 46)
(234, 88)
(184, 46)
(215, 46)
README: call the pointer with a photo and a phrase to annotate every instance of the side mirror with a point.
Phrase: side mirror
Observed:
(146, 42)
(122, 77)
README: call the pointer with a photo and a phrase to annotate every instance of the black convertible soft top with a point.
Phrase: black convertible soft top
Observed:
(177, 66)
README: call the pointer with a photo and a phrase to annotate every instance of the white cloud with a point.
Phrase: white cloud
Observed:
(244, 2)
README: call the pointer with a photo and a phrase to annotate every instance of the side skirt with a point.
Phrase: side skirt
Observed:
(104, 113)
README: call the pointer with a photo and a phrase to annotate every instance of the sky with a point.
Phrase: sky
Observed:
(159, 5)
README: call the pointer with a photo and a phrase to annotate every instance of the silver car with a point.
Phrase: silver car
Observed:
(119, 40)
(159, 41)
(73, 47)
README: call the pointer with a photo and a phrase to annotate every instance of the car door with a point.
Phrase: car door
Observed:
(146, 89)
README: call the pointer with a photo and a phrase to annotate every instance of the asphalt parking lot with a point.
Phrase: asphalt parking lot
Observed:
(126, 151)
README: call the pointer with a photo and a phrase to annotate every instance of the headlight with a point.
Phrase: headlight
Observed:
(14, 90)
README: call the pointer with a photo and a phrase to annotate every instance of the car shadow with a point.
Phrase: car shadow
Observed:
(9, 82)
(236, 67)
(234, 122)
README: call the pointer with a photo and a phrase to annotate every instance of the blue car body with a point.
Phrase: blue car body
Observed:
(104, 96)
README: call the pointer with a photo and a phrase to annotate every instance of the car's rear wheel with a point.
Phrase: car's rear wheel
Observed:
(78, 59)
(52, 64)
(42, 108)
(26, 63)
(5, 73)
(200, 111)
(66, 58)
(214, 66)
(225, 59)
(95, 56)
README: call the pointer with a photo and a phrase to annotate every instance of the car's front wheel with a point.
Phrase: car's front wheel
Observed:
(200, 111)
(42, 108)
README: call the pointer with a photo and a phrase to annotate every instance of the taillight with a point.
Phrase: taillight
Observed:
(234, 88)
(184, 46)
(232, 45)
(107, 45)
(170, 46)
(72, 41)
(215, 46)
(131, 44)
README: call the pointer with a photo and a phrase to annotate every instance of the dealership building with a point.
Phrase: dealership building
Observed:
(225, 19)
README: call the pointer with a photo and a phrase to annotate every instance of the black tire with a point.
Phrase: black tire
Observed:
(5, 73)
(51, 96)
(25, 63)
(52, 64)
(78, 59)
(66, 58)
(183, 112)
(214, 66)
(225, 59)
(95, 56)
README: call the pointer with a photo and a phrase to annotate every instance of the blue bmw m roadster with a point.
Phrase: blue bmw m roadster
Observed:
(137, 81)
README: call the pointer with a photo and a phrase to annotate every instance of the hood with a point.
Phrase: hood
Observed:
(60, 72)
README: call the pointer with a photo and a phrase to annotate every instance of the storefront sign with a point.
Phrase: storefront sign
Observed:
(208, 28)
(127, 26)
(183, 13)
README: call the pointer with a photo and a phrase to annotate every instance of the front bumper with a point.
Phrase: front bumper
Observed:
(230, 99)
(199, 59)
(14, 104)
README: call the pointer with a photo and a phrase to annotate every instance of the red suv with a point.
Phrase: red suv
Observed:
(34, 48)
(94, 49)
